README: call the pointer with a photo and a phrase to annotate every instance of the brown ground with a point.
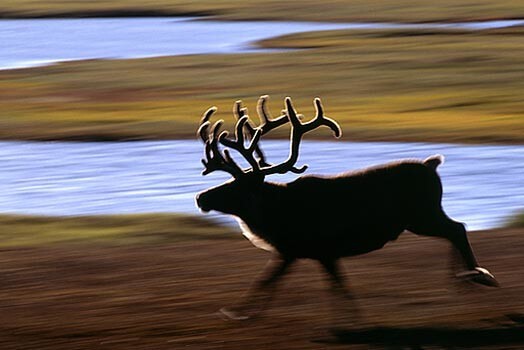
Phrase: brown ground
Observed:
(164, 297)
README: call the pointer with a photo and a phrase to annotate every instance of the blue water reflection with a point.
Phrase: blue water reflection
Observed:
(36, 42)
(482, 184)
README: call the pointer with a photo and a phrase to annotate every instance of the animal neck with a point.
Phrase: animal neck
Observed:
(262, 203)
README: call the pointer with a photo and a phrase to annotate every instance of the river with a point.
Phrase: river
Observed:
(482, 184)
(33, 42)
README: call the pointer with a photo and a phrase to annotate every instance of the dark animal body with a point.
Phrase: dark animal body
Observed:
(332, 217)
(360, 212)
(325, 217)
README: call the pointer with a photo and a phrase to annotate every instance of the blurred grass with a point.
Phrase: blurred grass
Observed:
(304, 10)
(516, 221)
(388, 85)
(125, 229)
(20, 230)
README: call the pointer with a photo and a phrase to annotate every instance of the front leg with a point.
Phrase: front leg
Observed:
(260, 292)
(345, 312)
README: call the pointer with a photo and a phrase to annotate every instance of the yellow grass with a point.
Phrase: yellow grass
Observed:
(517, 220)
(20, 230)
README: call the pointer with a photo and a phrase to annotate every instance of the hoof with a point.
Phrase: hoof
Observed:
(479, 275)
(230, 314)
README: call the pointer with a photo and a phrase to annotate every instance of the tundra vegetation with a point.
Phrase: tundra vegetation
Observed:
(31, 231)
(516, 220)
(303, 10)
(144, 229)
(380, 85)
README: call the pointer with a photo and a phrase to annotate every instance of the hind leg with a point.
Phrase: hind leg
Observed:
(442, 226)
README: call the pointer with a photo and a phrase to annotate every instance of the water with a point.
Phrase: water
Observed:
(482, 184)
(33, 42)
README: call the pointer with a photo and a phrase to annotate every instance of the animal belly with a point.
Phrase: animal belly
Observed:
(253, 238)
(320, 243)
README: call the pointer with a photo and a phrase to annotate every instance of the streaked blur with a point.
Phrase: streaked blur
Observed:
(102, 246)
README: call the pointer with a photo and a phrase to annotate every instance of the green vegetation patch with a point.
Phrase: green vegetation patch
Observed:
(17, 230)
(516, 221)
(380, 85)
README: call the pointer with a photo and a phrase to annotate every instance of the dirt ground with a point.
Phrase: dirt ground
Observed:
(166, 297)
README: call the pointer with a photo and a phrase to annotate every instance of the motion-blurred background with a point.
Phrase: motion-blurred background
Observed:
(100, 102)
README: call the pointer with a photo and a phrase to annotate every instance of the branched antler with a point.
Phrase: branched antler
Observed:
(297, 131)
(239, 143)
(217, 161)
(214, 159)
(266, 123)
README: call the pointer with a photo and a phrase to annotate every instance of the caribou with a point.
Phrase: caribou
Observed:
(323, 218)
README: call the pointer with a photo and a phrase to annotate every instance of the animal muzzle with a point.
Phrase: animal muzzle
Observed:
(199, 203)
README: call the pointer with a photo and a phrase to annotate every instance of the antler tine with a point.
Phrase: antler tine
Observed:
(238, 143)
(321, 119)
(298, 129)
(239, 112)
(318, 120)
(296, 136)
(213, 156)
(207, 114)
(214, 159)
(203, 130)
(266, 123)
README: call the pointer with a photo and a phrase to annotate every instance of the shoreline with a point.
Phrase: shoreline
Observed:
(23, 230)
(217, 15)
(266, 45)
(111, 138)
(32, 132)
(124, 13)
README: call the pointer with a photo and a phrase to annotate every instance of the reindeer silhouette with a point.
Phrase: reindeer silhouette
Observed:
(323, 218)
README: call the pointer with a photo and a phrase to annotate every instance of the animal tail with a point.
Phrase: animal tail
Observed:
(434, 161)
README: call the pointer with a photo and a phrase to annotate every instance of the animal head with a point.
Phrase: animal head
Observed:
(235, 195)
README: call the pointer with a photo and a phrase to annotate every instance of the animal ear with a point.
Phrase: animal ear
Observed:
(434, 161)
